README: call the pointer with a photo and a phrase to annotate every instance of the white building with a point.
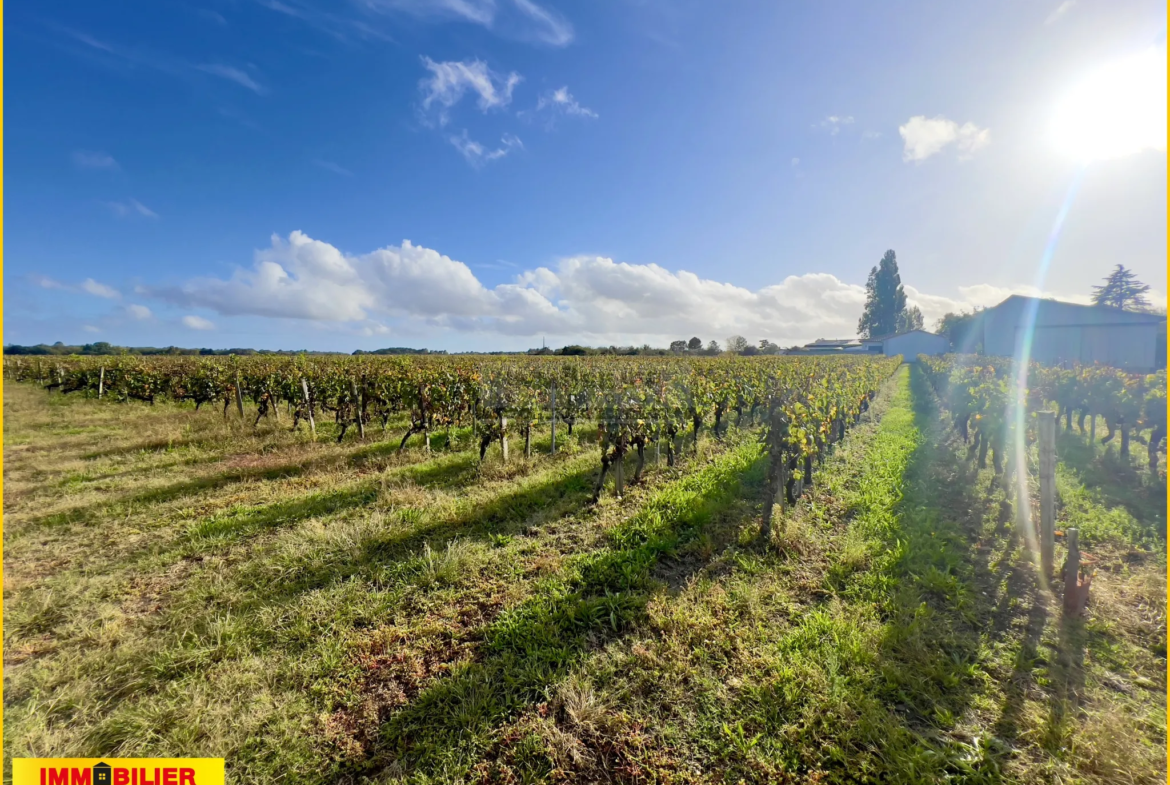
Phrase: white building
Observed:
(908, 344)
(1068, 332)
(913, 343)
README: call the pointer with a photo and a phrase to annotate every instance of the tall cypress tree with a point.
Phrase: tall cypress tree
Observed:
(885, 299)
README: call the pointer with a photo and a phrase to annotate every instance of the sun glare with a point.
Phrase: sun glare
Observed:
(1118, 110)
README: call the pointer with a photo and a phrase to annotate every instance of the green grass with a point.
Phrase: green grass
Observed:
(315, 612)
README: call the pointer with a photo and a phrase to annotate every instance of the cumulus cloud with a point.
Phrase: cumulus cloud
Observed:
(94, 160)
(476, 154)
(924, 137)
(139, 312)
(90, 286)
(197, 322)
(449, 81)
(562, 101)
(410, 288)
(833, 123)
(45, 282)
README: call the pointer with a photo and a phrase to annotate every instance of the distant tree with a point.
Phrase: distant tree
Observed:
(736, 343)
(962, 330)
(767, 347)
(884, 299)
(1122, 290)
(713, 347)
(910, 319)
(694, 344)
(678, 346)
(750, 351)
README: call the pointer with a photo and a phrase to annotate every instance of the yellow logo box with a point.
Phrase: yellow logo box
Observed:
(117, 771)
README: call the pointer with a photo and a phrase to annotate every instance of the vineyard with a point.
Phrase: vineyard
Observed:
(805, 406)
(980, 392)
(580, 569)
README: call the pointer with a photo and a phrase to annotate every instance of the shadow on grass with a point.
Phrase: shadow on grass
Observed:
(1068, 681)
(524, 652)
(387, 555)
(445, 473)
(1115, 482)
(942, 606)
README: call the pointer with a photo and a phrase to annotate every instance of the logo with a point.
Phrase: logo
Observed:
(117, 771)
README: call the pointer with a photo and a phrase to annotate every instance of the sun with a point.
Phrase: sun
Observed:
(1117, 110)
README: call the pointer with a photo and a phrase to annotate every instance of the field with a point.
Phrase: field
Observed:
(314, 610)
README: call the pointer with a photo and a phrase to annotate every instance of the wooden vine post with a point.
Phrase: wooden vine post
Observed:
(553, 412)
(101, 381)
(1046, 427)
(618, 476)
(1072, 569)
(357, 402)
(309, 407)
(239, 395)
(504, 436)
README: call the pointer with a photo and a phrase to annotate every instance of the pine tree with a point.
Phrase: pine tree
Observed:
(1122, 290)
(885, 299)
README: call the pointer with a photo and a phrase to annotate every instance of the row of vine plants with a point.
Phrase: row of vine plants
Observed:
(801, 406)
(980, 393)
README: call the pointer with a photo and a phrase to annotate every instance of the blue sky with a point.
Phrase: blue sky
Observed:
(247, 172)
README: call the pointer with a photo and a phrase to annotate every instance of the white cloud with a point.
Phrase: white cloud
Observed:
(833, 123)
(476, 154)
(1060, 11)
(94, 160)
(89, 328)
(45, 282)
(522, 19)
(448, 81)
(550, 27)
(924, 137)
(233, 75)
(90, 286)
(561, 100)
(332, 167)
(409, 288)
(129, 208)
(139, 312)
(197, 322)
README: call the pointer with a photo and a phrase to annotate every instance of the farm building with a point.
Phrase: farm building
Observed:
(908, 344)
(1069, 332)
(913, 343)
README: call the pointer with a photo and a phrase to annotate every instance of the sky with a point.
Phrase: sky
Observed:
(502, 174)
